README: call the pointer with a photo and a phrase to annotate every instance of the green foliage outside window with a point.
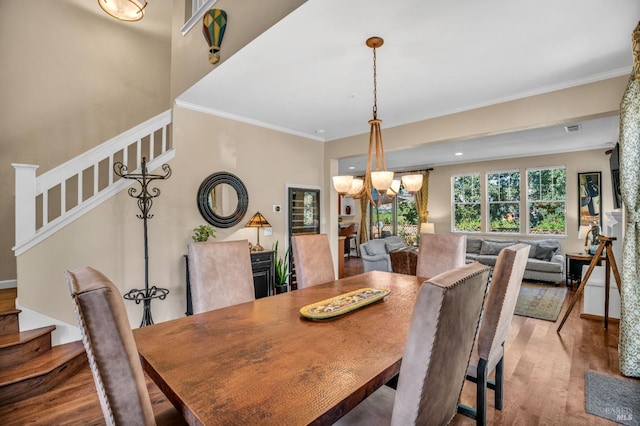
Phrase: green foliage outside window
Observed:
(547, 190)
(503, 189)
(466, 202)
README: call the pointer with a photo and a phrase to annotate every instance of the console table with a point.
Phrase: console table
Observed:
(264, 276)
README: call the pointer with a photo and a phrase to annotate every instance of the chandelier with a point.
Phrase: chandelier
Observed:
(379, 179)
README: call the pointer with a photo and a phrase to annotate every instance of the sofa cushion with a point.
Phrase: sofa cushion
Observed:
(376, 247)
(474, 245)
(534, 246)
(543, 266)
(493, 248)
(487, 259)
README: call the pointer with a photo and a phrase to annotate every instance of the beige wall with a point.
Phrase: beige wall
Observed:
(575, 162)
(71, 77)
(110, 237)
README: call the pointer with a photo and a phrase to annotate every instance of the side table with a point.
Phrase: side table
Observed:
(573, 267)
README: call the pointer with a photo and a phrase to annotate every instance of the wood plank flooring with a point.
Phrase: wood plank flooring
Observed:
(544, 378)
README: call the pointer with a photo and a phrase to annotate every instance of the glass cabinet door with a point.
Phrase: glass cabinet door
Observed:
(304, 218)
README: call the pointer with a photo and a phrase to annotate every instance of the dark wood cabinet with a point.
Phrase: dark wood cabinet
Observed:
(264, 276)
(264, 273)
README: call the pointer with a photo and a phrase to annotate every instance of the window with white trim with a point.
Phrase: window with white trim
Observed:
(503, 201)
(546, 200)
(465, 190)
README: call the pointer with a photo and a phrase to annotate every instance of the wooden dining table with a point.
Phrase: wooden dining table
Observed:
(261, 362)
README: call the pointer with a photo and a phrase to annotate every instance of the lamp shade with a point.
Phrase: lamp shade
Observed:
(257, 221)
(124, 10)
(412, 183)
(394, 188)
(583, 231)
(381, 180)
(427, 228)
(356, 186)
(342, 184)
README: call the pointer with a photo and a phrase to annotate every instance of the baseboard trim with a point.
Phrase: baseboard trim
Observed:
(598, 318)
(8, 284)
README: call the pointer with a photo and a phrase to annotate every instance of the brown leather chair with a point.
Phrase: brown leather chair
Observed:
(439, 253)
(441, 335)
(488, 351)
(220, 274)
(112, 353)
(312, 259)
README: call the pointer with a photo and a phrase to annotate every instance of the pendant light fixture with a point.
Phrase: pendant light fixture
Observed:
(379, 178)
(124, 10)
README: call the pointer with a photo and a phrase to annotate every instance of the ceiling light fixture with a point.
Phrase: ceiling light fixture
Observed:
(379, 179)
(124, 10)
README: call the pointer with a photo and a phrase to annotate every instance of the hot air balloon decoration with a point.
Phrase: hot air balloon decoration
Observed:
(214, 23)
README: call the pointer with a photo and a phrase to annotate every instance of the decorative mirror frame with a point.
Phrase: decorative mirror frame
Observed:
(207, 212)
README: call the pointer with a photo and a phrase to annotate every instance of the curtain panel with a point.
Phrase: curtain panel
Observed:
(422, 200)
(629, 343)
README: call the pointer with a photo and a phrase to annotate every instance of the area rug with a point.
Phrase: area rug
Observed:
(612, 398)
(542, 301)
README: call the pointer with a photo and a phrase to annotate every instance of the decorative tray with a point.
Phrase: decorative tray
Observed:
(344, 303)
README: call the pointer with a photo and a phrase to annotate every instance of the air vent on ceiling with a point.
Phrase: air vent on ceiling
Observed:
(572, 128)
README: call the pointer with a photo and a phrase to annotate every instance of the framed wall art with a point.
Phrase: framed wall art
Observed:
(589, 193)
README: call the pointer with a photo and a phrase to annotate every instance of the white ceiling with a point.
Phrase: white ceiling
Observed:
(311, 74)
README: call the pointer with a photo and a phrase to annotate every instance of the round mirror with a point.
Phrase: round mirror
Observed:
(223, 199)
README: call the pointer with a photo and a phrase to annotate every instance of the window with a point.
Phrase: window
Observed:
(546, 197)
(503, 189)
(395, 216)
(466, 202)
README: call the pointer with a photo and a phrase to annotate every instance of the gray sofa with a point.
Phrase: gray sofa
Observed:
(545, 262)
(375, 253)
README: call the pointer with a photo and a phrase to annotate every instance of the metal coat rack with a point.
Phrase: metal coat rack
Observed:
(145, 201)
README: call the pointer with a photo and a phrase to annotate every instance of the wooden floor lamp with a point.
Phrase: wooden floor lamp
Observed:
(606, 247)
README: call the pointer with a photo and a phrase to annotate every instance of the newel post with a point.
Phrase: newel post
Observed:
(25, 201)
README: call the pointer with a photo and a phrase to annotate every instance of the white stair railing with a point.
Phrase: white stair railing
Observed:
(37, 197)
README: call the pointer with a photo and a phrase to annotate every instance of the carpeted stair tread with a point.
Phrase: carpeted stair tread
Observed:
(22, 337)
(43, 364)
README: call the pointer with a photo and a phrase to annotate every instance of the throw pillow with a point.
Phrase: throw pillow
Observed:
(492, 248)
(532, 250)
(391, 245)
(474, 245)
(376, 247)
(545, 251)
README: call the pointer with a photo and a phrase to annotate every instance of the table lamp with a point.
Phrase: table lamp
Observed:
(258, 221)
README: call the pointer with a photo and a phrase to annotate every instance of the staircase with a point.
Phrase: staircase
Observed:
(29, 366)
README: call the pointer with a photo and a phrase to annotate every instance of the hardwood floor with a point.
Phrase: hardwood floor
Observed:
(544, 378)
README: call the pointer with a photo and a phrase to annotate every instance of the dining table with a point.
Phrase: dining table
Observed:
(262, 362)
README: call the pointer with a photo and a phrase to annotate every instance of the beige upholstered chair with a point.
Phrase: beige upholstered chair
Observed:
(112, 352)
(312, 259)
(439, 253)
(220, 274)
(441, 335)
(488, 351)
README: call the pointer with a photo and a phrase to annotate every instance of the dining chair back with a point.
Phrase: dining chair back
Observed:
(112, 353)
(439, 253)
(441, 335)
(488, 351)
(312, 259)
(220, 274)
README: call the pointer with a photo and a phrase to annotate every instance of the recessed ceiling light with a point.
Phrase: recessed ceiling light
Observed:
(319, 131)
(458, 153)
(352, 168)
(458, 150)
(572, 128)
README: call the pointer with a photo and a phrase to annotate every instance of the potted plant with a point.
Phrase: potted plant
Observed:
(202, 233)
(282, 269)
